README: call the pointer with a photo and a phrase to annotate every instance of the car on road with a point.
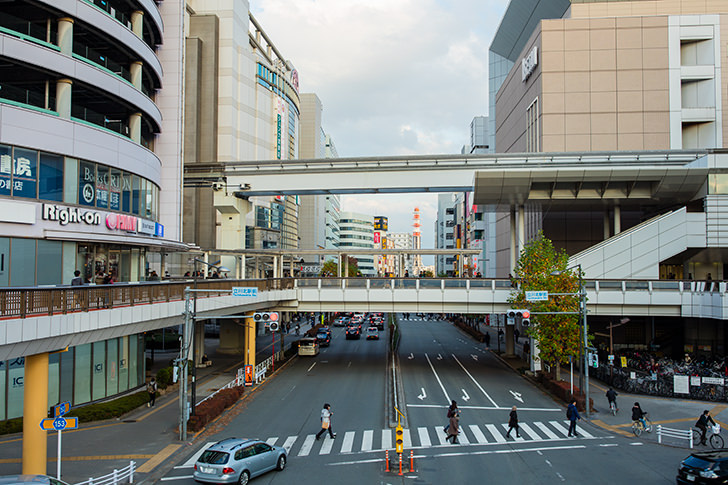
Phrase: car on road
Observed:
(372, 333)
(704, 468)
(324, 338)
(26, 479)
(341, 322)
(353, 332)
(237, 460)
(308, 346)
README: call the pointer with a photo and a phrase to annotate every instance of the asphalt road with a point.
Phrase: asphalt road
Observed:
(437, 363)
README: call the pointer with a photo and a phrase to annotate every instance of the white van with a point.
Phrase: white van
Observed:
(308, 346)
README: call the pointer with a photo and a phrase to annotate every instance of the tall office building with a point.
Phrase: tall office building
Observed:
(242, 103)
(356, 231)
(401, 240)
(479, 139)
(90, 166)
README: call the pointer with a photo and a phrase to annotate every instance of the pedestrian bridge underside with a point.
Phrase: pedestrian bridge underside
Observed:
(48, 319)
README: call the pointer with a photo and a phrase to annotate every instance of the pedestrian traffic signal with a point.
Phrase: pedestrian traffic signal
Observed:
(523, 315)
(265, 317)
(399, 439)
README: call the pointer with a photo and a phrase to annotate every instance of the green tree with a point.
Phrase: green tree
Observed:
(331, 268)
(542, 267)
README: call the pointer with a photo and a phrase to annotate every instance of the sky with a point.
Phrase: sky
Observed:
(395, 77)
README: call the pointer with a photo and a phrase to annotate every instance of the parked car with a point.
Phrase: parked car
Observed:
(25, 479)
(237, 460)
(372, 333)
(704, 468)
(353, 332)
(324, 338)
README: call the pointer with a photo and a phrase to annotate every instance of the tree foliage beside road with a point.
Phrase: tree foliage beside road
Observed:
(542, 267)
(331, 268)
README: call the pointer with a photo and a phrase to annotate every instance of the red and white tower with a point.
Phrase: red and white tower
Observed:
(416, 241)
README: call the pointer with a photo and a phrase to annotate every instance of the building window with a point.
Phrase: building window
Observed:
(532, 134)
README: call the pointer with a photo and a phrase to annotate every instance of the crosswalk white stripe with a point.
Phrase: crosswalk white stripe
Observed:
(496, 434)
(326, 447)
(406, 438)
(348, 441)
(424, 437)
(307, 445)
(582, 431)
(479, 436)
(288, 444)
(529, 431)
(441, 435)
(513, 435)
(366, 440)
(560, 427)
(272, 441)
(193, 459)
(549, 434)
(386, 439)
(462, 437)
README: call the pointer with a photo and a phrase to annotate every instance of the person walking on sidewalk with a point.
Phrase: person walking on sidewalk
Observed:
(573, 415)
(326, 422)
(513, 423)
(152, 390)
(487, 340)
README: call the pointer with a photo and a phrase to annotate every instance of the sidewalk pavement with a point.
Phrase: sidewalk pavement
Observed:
(675, 413)
(148, 436)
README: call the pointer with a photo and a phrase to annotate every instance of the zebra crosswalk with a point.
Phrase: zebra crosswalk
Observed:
(416, 438)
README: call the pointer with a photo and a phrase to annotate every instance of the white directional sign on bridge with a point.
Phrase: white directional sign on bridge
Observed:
(540, 295)
(245, 291)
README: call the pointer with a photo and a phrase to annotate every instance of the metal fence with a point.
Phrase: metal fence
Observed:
(125, 475)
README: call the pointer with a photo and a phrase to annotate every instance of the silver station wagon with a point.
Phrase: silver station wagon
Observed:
(237, 460)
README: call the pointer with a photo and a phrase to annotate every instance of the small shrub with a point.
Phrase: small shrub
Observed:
(213, 407)
(11, 426)
(164, 377)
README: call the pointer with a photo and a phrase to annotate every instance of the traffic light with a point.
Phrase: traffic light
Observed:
(265, 317)
(399, 439)
(522, 314)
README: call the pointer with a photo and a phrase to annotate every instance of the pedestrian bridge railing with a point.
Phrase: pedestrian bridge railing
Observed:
(679, 434)
(125, 475)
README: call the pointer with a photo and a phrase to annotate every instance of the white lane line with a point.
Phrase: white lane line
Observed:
(309, 369)
(438, 379)
(549, 434)
(193, 459)
(479, 436)
(636, 444)
(608, 444)
(529, 431)
(386, 439)
(560, 427)
(424, 437)
(348, 442)
(581, 431)
(272, 441)
(406, 438)
(167, 479)
(484, 407)
(366, 440)
(307, 445)
(326, 447)
(441, 435)
(476, 382)
(288, 444)
(513, 433)
(496, 434)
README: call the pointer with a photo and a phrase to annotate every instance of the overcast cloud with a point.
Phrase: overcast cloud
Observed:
(396, 77)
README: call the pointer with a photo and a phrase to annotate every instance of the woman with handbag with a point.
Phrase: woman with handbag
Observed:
(326, 422)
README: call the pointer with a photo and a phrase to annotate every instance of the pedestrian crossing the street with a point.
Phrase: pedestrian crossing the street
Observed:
(417, 438)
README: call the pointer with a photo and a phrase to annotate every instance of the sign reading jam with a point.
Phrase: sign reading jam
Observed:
(121, 222)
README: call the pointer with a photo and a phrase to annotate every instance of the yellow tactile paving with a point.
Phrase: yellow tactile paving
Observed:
(155, 460)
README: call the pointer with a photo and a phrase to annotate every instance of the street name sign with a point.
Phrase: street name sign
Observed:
(251, 292)
(540, 295)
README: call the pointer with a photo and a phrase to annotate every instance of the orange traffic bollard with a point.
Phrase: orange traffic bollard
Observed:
(386, 457)
(400, 463)
(412, 460)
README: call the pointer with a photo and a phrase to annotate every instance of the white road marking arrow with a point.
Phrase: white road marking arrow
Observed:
(465, 396)
(423, 395)
(439, 357)
(517, 396)
(411, 356)
(475, 357)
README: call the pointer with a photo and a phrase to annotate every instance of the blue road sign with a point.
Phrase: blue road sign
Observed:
(61, 409)
(59, 423)
(245, 291)
(540, 295)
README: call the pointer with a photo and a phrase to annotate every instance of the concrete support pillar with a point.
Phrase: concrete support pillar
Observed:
(35, 408)
(249, 341)
(240, 267)
(199, 341)
(136, 74)
(65, 35)
(617, 220)
(63, 98)
(339, 266)
(135, 127)
(137, 22)
(510, 344)
(346, 265)
(521, 229)
(275, 266)
(206, 259)
(232, 337)
(513, 240)
(607, 233)
(257, 271)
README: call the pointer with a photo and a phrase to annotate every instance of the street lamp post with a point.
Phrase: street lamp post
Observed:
(582, 310)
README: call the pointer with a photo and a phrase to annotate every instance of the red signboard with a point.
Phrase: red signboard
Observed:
(248, 375)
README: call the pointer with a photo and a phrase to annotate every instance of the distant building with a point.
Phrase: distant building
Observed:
(356, 231)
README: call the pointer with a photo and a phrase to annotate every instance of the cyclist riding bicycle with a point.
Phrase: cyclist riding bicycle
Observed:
(612, 398)
(702, 424)
(638, 414)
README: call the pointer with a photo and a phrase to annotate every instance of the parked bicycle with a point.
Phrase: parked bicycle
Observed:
(643, 424)
(713, 437)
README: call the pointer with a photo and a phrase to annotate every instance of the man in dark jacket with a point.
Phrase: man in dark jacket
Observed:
(513, 423)
(573, 415)
(612, 398)
(702, 424)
